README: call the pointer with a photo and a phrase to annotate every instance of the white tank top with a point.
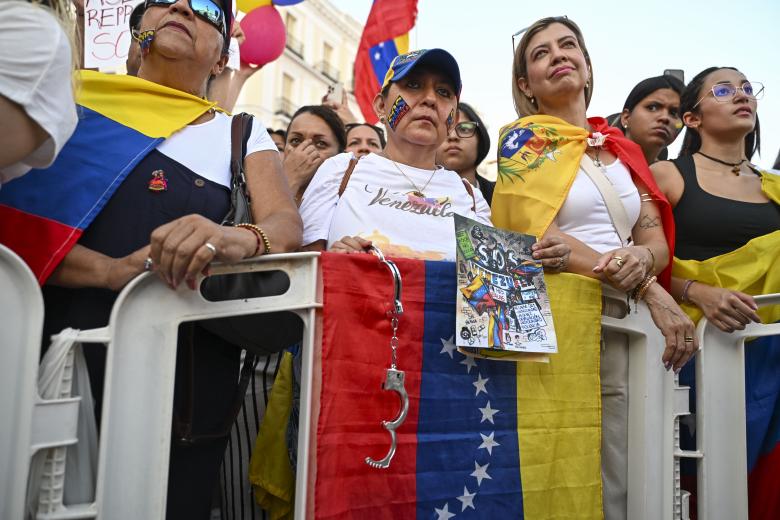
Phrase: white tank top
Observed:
(584, 214)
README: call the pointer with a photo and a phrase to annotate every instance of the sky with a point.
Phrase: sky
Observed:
(628, 42)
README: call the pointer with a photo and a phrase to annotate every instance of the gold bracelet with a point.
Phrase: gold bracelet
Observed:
(260, 235)
(642, 288)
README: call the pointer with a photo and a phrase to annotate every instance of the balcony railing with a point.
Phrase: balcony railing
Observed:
(295, 45)
(284, 107)
(328, 70)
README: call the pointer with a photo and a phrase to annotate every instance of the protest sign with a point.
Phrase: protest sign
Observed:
(107, 32)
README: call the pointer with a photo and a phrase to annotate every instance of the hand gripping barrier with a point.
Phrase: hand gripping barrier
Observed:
(21, 320)
(651, 415)
(720, 416)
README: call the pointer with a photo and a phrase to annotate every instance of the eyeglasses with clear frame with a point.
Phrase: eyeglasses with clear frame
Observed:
(521, 31)
(466, 129)
(725, 92)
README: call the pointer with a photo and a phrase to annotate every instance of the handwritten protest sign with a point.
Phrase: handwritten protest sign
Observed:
(107, 32)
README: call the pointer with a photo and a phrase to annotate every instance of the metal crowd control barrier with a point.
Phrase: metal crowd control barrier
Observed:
(21, 320)
(720, 417)
(653, 406)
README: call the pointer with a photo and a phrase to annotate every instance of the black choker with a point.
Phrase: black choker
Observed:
(734, 166)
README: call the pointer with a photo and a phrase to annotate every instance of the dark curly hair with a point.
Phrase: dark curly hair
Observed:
(692, 94)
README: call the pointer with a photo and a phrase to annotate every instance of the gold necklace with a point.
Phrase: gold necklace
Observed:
(417, 191)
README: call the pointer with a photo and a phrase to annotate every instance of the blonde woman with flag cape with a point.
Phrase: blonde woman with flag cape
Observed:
(563, 173)
(727, 214)
(144, 184)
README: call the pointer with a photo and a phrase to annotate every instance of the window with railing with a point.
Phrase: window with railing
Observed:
(328, 70)
(284, 107)
(295, 45)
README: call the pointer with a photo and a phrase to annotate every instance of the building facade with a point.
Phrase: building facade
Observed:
(321, 47)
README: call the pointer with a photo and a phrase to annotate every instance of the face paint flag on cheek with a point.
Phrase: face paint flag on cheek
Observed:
(144, 39)
(399, 109)
(450, 119)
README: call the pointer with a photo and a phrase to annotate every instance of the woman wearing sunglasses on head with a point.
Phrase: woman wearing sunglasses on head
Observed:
(160, 180)
(400, 200)
(564, 173)
(651, 114)
(727, 214)
(466, 147)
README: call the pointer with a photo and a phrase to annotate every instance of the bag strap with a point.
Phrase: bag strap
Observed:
(470, 189)
(347, 175)
(240, 130)
(615, 208)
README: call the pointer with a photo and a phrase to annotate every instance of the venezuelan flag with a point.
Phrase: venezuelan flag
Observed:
(385, 36)
(470, 422)
(121, 119)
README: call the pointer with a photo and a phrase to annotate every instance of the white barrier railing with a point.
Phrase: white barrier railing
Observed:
(133, 463)
(720, 417)
(138, 393)
(651, 415)
(21, 321)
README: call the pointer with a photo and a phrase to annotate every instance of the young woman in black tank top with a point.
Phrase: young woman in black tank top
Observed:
(716, 193)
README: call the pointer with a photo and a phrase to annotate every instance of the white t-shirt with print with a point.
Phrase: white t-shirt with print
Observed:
(584, 213)
(205, 148)
(378, 205)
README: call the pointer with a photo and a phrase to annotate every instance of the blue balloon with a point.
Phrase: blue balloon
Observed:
(286, 2)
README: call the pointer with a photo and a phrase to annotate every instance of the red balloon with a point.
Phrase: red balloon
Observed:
(265, 36)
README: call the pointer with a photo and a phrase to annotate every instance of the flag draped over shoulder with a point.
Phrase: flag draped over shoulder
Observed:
(121, 119)
(385, 36)
(753, 269)
(538, 159)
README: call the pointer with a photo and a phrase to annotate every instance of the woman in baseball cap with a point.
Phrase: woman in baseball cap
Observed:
(400, 200)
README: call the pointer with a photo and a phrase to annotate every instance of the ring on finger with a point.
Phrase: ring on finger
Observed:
(210, 247)
(688, 339)
(148, 264)
(618, 260)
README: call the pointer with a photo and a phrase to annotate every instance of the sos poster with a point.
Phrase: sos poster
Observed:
(503, 310)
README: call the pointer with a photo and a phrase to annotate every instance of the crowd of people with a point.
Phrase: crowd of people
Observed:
(611, 208)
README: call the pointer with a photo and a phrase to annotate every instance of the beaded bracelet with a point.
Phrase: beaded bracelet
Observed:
(642, 288)
(687, 286)
(259, 235)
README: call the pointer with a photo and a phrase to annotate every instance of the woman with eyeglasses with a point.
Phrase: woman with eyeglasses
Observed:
(651, 114)
(466, 147)
(565, 173)
(727, 214)
(147, 177)
(364, 138)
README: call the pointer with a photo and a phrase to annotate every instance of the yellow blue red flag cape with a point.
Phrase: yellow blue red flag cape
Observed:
(121, 119)
(538, 159)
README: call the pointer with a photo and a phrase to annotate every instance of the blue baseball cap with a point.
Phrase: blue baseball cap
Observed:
(403, 64)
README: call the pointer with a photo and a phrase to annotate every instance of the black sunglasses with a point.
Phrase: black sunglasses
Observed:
(207, 10)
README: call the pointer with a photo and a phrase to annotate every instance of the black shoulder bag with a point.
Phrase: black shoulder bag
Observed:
(259, 333)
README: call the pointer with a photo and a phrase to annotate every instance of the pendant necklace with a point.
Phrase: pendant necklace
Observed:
(735, 167)
(394, 378)
(419, 192)
(596, 141)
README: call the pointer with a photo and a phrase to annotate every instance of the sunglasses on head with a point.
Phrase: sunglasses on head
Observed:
(466, 129)
(725, 92)
(207, 10)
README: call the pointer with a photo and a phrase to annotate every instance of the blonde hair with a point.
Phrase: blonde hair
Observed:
(523, 105)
